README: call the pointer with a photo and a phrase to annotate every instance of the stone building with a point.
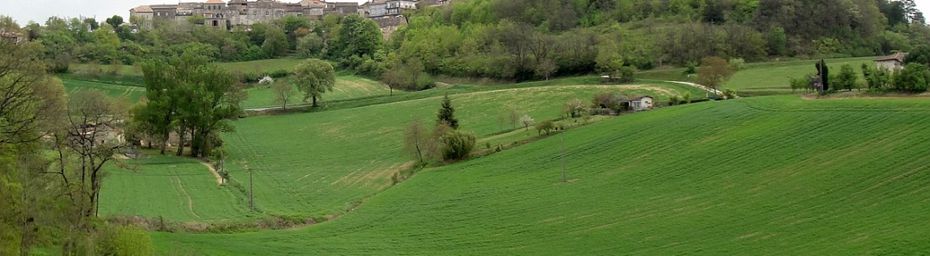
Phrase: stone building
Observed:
(227, 15)
(892, 62)
(220, 14)
(12, 36)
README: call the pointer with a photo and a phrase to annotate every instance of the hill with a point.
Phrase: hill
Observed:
(325, 163)
(769, 175)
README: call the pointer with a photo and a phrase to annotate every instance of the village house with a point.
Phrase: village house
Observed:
(12, 36)
(642, 103)
(892, 62)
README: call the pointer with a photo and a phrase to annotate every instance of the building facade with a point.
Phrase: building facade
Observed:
(223, 15)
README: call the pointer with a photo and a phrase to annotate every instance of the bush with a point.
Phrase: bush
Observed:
(729, 94)
(575, 108)
(457, 145)
(279, 73)
(737, 64)
(673, 100)
(124, 240)
(545, 127)
(913, 78)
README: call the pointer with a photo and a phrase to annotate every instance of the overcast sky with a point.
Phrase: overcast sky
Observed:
(24, 11)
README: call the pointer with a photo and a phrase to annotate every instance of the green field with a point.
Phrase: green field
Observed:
(347, 87)
(771, 175)
(324, 163)
(174, 188)
(774, 75)
(777, 75)
(257, 66)
(130, 93)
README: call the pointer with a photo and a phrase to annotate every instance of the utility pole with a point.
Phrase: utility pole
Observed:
(251, 193)
(564, 174)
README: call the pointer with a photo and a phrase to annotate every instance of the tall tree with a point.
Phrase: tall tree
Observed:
(115, 21)
(714, 72)
(446, 114)
(314, 77)
(357, 36)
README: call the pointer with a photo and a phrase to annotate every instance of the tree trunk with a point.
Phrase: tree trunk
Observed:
(314, 102)
(180, 143)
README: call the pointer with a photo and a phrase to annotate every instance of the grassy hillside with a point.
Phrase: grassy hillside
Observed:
(772, 175)
(777, 75)
(130, 93)
(315, 164)
(774, 75)
(171, 187)
(347, 87)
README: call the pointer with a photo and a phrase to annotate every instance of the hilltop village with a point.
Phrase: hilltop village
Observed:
(237, 13)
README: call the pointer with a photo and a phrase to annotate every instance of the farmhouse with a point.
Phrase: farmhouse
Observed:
(642, 103)
(11, 36)
(892, 62)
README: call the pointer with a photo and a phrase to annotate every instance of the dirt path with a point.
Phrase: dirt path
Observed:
(219, 179)
(190, 201)
(714, 91)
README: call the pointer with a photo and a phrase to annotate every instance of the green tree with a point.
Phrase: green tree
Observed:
(357, 36)
(314, 77)
(714, 72)
(847, 78)
(275, 43)
(115, 21)
(446, 114)
(913, 78)
(282, 93)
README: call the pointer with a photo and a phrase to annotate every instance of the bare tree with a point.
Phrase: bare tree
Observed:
(416, 140)
(88, 139)
(28, 97)
(282, 93)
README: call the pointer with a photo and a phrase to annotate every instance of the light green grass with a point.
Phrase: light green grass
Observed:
(755, 176)
(323, 163)
(347, 87)
(173, 188)
(129, 93)
(260, 66)
(777, 75)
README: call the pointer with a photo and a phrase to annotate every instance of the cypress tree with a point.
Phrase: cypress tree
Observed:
(447, 114)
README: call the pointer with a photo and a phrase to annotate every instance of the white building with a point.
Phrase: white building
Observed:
(642, 103)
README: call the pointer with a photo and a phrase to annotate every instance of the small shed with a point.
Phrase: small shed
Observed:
(642, 103)
(892, 62)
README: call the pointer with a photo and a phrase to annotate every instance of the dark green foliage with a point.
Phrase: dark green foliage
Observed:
(847, 79)
(920, 55)
(546, 127)
(275, 43)
(358, 36)
(457, 145)
(446, 114)
(913, 78)
(876, 79)
(314, 78)
(115, 21)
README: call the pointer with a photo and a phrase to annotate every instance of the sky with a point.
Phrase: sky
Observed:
(24, 11)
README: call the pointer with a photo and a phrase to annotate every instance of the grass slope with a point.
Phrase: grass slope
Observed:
(772, 175)
(130, 93)
(347, 87)
(174, 188)
(314, 164)
(777, 75)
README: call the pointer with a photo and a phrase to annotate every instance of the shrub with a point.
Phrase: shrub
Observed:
(124, 240)
(545, 127)
(737, 64)
(279, 73)
(913, 78)
(575, 108)
(729, 94)
(457, 145)
(687, 98)
(673, 100)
